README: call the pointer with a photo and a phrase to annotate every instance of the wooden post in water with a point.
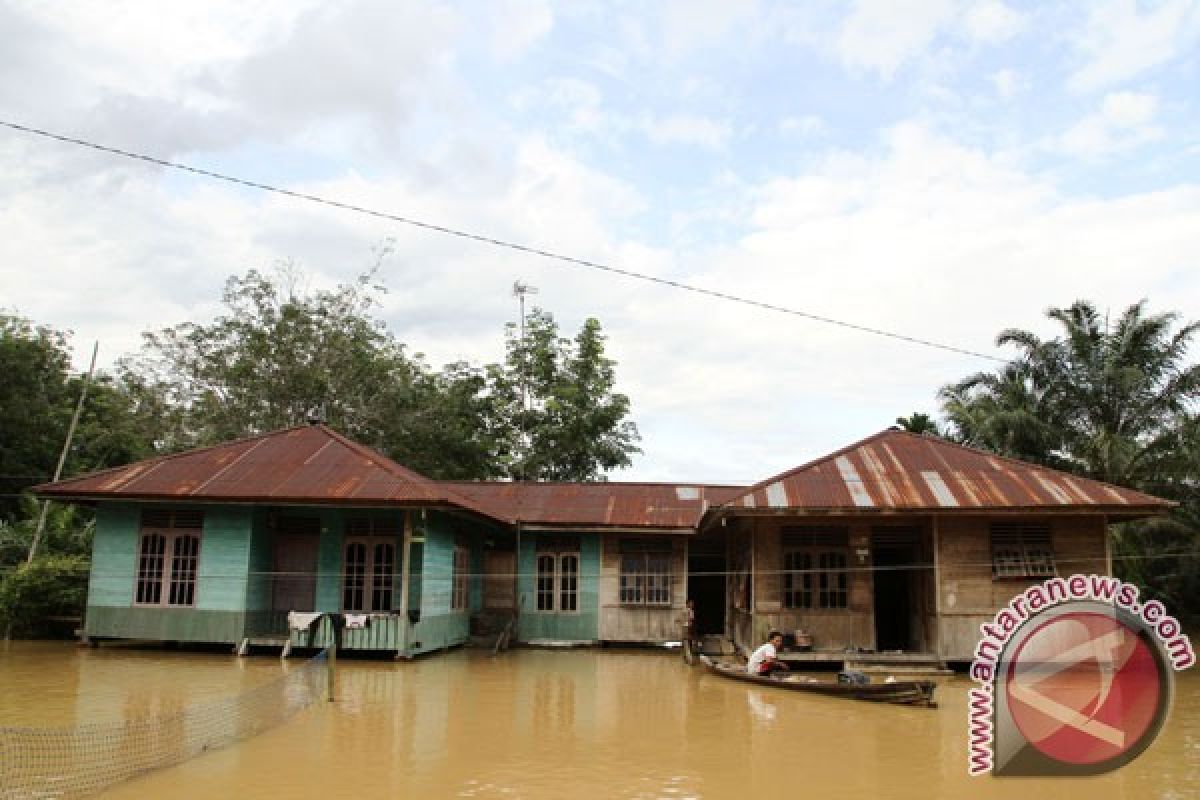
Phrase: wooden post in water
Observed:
(405, 559)
(754, 585)
(937, 586)
(331, 667)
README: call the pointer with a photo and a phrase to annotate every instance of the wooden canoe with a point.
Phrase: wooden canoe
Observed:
(913, 693)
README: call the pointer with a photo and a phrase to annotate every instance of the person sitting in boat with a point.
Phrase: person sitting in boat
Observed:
(765, 659)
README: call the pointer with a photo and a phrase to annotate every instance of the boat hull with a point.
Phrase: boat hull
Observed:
(913, 693)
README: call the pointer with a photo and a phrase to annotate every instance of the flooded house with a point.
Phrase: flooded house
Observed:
(595, 562)
(899, 542)
(221, 544)
(906, 544)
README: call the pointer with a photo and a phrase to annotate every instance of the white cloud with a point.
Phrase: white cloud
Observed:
(1125, 120)
(992, 21)
(580, 101)
(1008, 82)
(881, 35)
(807, 125)
(517, 24)
(912, 230)
(931, 238)
(1120, 41)
(687, 129)
(692, 24)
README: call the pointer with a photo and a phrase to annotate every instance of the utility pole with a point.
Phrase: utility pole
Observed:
(62, 457)
(520, 290)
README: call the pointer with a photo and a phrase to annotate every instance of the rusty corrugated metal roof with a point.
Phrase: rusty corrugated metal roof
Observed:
(307, 464)
(601, 504)
(896, 470)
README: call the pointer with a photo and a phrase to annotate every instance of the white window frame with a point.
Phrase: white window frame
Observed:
(378, 574)
(556, 591)
(174, 572)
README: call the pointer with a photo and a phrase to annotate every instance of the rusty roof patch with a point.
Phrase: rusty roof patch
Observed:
(900, 471)
(601, 504)
(307, 464)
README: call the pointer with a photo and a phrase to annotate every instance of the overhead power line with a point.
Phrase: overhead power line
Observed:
(502, 243)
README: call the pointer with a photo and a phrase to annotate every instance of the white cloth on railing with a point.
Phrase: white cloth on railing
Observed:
(301, 620)
(356, 621)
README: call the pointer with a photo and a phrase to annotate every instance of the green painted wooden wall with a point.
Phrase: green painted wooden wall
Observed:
(114, 555)
(234, 585)
(581, 625)
(221, 590)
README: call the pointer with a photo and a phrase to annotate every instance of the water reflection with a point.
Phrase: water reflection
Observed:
(534, 724)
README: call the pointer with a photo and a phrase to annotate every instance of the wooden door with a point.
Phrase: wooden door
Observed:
(295, 581)
(499, 580)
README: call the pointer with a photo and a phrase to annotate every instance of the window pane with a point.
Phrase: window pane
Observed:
(797, 579)
(184, 562)
(150, 568)
(354, 578)
(633, 568)
(832, 580)
(545, 583)
(658, 580)
(382, 571)
(459, 591)
(568, 583)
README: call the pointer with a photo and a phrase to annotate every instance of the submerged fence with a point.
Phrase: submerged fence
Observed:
(82, 760)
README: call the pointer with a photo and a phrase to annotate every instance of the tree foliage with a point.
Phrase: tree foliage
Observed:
(37, 398)
(277, 354)
(917, 422)
(1114, 401)
(561, 417)
(34, 596)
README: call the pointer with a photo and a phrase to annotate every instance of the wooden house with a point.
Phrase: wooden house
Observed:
(220, 544)
(902, 542)
(896, 543)
(601, 561)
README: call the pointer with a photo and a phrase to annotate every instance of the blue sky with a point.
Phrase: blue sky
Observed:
(938, 168)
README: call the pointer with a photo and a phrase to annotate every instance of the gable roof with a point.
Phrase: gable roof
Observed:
(900, 471)
(600, 504)
(309, 464)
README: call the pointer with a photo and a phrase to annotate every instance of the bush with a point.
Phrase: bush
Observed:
(33, 594)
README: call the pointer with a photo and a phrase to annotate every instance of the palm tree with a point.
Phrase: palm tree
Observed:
(1110, 402)
(1116, 402)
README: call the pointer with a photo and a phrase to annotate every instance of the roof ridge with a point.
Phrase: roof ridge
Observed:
(678, 484)
(805, 466)
(155, 460)
(384, 462)
(936, 441)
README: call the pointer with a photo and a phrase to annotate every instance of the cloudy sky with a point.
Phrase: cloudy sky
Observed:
(940, 169)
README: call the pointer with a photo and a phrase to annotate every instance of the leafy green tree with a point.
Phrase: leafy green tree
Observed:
(34, 405)
(1112, 401)
(273, 358)
(548, 412)
(446, 425)
(557, 403)
(37, 397)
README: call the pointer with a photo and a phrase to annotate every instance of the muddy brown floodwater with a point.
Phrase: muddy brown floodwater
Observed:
(539, 724)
